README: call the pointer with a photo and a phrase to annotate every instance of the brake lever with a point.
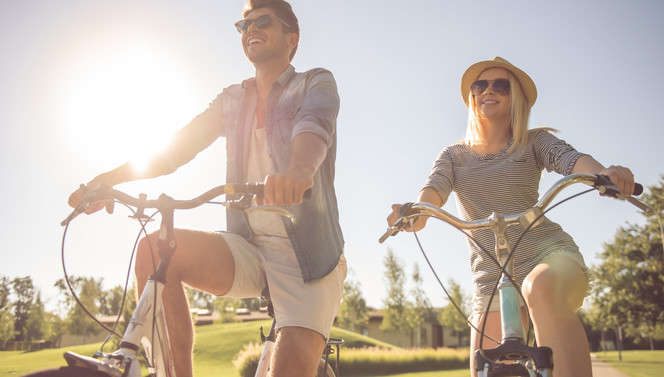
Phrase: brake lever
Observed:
(605, 187)
(89, 197)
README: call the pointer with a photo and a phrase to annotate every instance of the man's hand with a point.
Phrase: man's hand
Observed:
(288, 187)
(77, 197)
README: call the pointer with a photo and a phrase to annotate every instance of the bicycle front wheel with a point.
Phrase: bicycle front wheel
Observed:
(67, 372)
(324, 369)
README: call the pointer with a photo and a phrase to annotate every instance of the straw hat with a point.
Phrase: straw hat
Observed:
(473, 72)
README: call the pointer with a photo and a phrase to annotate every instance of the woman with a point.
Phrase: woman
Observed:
(497, 169)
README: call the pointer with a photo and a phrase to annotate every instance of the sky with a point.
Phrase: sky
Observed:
(87, 85)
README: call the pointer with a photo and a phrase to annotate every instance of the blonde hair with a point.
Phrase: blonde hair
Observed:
(519, 115)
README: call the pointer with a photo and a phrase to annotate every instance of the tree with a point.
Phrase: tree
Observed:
(395, 317)
(5, 291)
(90, 293)
(24, 291)
(111, 300)
(226, 307)
(449, 316)
(353, 313)
(7, 329)
(629, 288)
(35, 321)
(420, 311)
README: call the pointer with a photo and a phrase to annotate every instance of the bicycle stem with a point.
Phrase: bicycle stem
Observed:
(511, 326)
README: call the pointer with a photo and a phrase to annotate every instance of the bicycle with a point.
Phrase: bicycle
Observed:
(527, 361)
(147, 328)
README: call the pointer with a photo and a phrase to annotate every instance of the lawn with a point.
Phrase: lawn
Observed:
(636, 363)
(444, 373)
(216, 345)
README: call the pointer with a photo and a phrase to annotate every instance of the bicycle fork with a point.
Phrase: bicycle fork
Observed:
(268, 349)
(148, 329)
(512, 346)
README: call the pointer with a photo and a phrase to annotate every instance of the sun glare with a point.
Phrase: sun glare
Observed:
(124, 107)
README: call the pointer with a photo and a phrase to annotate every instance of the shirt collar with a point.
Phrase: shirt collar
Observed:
(282, 80)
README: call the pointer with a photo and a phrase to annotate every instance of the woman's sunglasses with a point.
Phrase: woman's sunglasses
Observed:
(500, 86)
(262, 22)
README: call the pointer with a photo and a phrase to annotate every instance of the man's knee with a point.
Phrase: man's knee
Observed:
(147, 256)
(300, 341)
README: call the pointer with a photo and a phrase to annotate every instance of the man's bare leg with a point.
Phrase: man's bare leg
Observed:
(297, 352)
(203, 261)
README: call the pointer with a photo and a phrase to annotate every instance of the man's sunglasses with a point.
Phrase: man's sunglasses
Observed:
(500, 86)
(262, 22)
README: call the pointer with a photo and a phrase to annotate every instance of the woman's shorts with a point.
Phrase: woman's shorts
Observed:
(271, 261)
(481, 302)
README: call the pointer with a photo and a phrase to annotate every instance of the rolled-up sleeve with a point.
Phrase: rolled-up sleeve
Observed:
(441, 177)
(318, 114)
(555, 154)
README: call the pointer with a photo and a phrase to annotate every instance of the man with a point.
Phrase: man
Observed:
(280, 128)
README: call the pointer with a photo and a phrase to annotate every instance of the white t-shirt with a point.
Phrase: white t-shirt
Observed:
(259, 165)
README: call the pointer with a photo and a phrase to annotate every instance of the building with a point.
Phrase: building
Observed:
(431, 335)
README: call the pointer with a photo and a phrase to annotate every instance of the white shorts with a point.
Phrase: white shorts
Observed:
(271, 261)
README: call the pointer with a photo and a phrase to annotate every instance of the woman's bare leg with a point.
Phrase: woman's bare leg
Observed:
(553, 292)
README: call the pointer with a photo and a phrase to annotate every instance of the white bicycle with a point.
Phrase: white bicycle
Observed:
(147, 334)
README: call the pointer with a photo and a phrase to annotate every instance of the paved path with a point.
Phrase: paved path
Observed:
(602, 369)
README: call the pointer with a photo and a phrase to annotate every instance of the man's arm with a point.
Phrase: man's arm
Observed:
(186, 143)
(308, 152)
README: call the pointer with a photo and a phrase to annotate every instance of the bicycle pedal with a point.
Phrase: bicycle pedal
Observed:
(80, 361)
(508, 370)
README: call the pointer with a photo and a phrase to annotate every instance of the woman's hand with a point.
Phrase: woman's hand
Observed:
(418, 224)
(621, 177)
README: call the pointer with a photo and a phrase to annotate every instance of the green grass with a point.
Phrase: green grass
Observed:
(216, 345)
(17, 363)
(636, 363)
(444, 373)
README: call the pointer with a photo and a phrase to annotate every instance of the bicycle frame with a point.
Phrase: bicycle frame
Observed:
(148, 328)
(513, 347)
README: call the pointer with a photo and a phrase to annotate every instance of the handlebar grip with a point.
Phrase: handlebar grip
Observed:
(388, 233)
(638, 189)
(603, 180)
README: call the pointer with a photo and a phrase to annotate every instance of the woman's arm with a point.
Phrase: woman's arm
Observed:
(620, 176)
(427, 195)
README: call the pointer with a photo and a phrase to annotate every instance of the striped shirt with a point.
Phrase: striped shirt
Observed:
(505, 183)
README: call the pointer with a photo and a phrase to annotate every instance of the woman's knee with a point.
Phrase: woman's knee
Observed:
(547, 288)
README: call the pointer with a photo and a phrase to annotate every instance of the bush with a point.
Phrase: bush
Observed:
(246, 361)
(377, 361)
(372, 361)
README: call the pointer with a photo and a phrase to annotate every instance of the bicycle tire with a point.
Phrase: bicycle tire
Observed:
(67, 372)
(324, 372)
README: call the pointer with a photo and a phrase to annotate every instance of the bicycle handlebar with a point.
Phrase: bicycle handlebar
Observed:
(107, 193)
(600, 182)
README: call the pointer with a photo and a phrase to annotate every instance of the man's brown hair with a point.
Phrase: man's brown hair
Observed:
(281, 9)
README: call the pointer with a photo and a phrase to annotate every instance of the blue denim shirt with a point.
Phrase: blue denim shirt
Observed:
(297, 103)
